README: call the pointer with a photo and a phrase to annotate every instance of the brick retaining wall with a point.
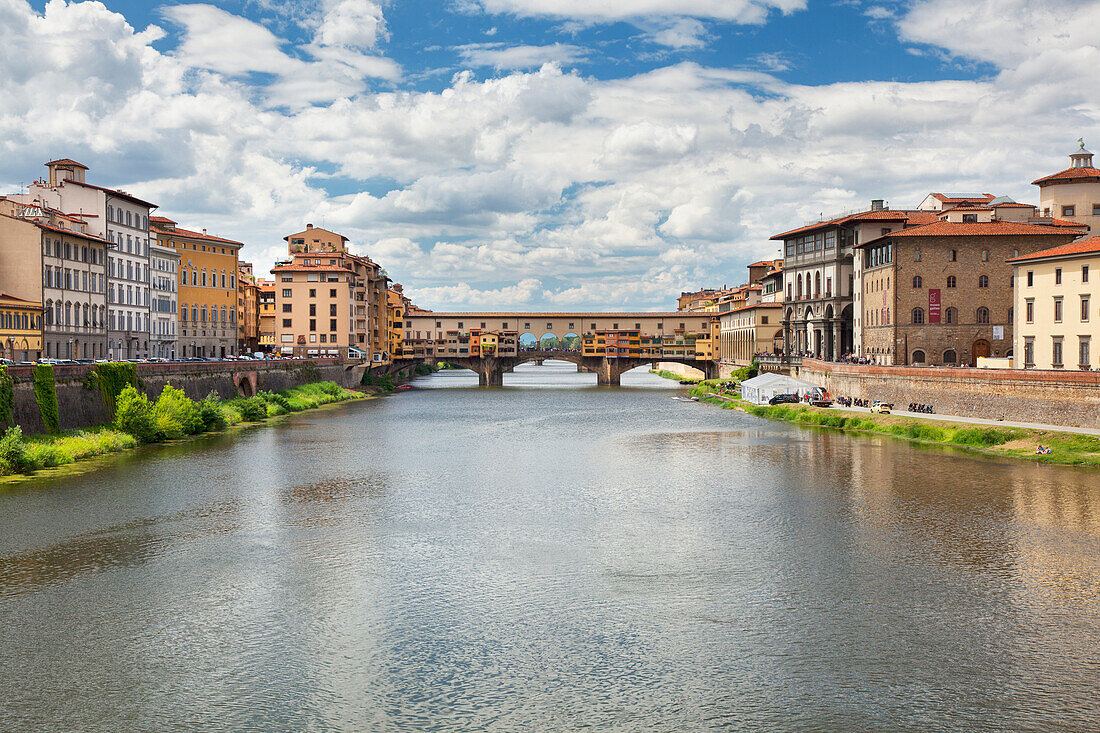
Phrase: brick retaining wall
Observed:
(1053, 397)
(78, 407)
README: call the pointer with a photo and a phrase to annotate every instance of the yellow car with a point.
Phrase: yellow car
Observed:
(881, 407)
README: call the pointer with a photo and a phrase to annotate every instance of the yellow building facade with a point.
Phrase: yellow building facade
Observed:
(20, 329)
(208, 298)
(1056, 311)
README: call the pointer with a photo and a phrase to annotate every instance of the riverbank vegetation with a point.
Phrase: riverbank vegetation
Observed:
(171, 416)
(666, 374)
(1066, 448)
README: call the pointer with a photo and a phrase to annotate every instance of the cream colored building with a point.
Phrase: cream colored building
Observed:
(751, 330)
(330, 302)
(1073, 194)
(1057, 306)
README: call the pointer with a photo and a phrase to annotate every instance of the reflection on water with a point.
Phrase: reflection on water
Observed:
(547, 556)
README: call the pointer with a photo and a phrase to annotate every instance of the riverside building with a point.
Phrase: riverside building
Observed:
(49, 258)
(1057, 307)
(330, 302)
(1074, 193)
(123, 221)
(20, 328)
(164, 306)
(819, 277)
(941, 293)
(207, 289)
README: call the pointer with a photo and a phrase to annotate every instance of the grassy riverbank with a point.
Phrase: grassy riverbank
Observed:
(172, 416)
(666, 374)
(1066, 448)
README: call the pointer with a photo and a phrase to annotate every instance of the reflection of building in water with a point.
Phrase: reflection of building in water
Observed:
(1058, 512)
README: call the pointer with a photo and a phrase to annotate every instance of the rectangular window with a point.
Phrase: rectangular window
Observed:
(1083, 352)
(1056, 352)
(286, 307)
(312, 324)
(313, 309)
(953, 256)
(286, 292)
(1084, 308)
(332, 309)
(1084, 273)
(287, 338)
(332, 292)
(1057, 310)
(287, 278)
(1057, 275)
(1030, 278)
(1029, 352)
(286, 323)
(1029, 310)
(1067, 211)
(332, 324)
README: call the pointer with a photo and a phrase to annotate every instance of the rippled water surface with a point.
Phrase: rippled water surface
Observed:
(550, 556)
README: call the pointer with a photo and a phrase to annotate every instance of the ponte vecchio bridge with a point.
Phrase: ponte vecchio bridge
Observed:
(605, 343)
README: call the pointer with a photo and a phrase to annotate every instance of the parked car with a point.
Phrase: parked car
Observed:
(782, 399)
(882, 407)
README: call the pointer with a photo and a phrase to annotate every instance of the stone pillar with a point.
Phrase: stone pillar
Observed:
(786, 338)
(710, 370)
(608, 373)
(490, 373)
(837, 346)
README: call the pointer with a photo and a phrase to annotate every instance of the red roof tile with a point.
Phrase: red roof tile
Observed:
(1013, 204)
(975, 229)
(310, 268)
(959, 198)
(1068, 174)
(1088, 245)
(883, 215)
(67, 161)
(114, 192)
(188, 234)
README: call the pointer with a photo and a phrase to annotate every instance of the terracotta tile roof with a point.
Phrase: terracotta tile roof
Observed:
(883, 215)
(188, 234)
(310, 268)
(1066, 223)
(974, 229)
(114, 192)
(969, 208)
(1088, 245)
(1068, 174)
(1013, 204)
(71, 233)
(30, 303)
(67, 161)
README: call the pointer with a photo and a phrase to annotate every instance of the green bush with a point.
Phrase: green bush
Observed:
(134, 415)
(13, 452)
(252, 409)
(176, 414)
(45, 394)
(211, 413)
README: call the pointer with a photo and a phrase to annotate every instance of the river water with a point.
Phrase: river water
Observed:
(550, 556)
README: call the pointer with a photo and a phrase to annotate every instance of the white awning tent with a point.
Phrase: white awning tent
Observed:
(760, 389)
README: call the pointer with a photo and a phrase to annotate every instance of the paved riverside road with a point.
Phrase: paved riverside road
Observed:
(981, 421)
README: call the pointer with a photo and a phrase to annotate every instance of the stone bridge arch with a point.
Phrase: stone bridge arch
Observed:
(245, 383)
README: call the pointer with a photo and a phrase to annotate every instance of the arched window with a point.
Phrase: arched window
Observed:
(110, 212)
(917, 282)
(49, 312)
(983, 281)
(950, 281)
(799, 285)
(918, 357)
(817, 285)
(951, 315)
(983, 315)
(918, 315)
(949, 357)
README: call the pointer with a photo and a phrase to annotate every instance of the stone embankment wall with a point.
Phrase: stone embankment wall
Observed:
(80, 407)
(1051, 397)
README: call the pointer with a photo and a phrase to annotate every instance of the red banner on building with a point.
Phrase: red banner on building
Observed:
(933, 305)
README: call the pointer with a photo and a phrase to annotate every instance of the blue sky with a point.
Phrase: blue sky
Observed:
(556, 154)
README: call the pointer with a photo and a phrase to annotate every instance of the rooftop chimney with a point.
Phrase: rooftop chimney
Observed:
(877, 205)
(309, 226)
